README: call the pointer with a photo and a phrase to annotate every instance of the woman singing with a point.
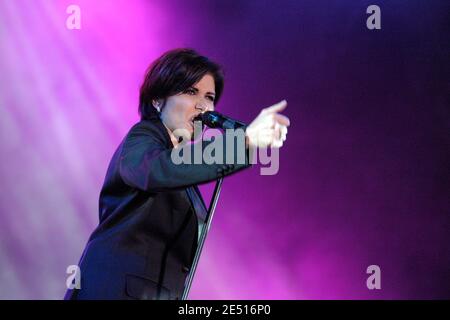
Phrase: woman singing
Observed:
(150, 208)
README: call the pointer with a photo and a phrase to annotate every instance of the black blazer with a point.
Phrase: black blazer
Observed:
(150, 209)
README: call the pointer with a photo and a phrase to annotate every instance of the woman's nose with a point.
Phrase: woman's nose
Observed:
(201, 107)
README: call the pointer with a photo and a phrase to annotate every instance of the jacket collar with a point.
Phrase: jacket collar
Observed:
(155, 118)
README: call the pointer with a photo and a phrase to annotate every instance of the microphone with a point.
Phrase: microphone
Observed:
(214, 119)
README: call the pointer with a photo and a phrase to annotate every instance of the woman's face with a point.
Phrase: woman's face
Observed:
(180, 109)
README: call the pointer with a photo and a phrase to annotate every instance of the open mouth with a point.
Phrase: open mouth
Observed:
(195, 118)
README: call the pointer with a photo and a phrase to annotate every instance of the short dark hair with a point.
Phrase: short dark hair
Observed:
(174, 72)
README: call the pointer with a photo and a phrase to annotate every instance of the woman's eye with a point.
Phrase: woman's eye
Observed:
(211, 98)
(190, 91)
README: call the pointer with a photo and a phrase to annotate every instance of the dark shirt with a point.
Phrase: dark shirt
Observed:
(150, 210)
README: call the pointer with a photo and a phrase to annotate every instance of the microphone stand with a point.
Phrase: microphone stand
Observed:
(208, 220)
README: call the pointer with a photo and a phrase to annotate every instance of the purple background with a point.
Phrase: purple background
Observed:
(364, 175)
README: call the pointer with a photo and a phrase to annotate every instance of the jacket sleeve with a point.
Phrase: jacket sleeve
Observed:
(145, 163)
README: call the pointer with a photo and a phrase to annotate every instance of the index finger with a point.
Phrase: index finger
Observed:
(280, 106)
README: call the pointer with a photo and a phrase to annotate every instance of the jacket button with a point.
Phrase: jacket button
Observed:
(185, 269)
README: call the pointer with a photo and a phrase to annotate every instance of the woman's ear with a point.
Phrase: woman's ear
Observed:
(157, 103)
